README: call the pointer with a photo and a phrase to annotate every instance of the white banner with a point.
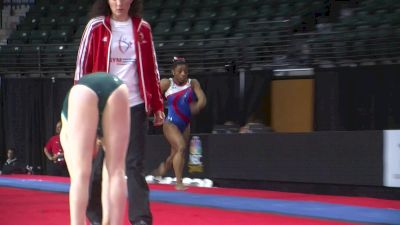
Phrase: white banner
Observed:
(391, 158)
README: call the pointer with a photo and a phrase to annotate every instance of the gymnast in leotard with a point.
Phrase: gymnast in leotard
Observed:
(184, 99)
(97, 105)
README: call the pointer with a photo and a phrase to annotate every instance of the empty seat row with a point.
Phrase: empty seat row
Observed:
(43, 36)
(32, 57)
(50, 23)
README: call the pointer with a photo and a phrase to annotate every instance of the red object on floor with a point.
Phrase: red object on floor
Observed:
(22, 207)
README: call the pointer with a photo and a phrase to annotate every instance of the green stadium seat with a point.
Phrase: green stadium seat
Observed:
(229, 2)
(177, 41)
(299, 7)
(38, 37)
(222, 26)
(372, 5)
(172, 4)
(152, 4)
(254, 2)
(349, 22)
(265, 11)
(182, 27)
(38, 11)
(60, 36)
(67, 23)
(210, 3)
(247, 12)
(162, 28)
(191, 4)
(78, 10)
(392, 18)
(150, 15)
(227, 12)
(19, 37)
(167, 14)
(187, 14)
(29, 23)
(47, 23)
(242, 24)
(362, 18)
(58, 10)
(206, 13)
(202, 26)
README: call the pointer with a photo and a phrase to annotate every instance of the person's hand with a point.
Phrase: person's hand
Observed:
(159, 117)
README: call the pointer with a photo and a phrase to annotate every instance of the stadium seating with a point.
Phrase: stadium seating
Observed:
(250, 32)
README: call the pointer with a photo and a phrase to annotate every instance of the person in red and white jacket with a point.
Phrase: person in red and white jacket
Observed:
(118, 41)
(95, 55)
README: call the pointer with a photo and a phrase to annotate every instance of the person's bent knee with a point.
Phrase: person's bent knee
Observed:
(180, 149)
(117, 172)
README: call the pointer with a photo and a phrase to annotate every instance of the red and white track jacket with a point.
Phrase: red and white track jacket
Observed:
(94, 56)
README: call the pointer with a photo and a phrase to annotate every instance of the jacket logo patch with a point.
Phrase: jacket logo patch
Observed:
(141, 38)
(104, 39)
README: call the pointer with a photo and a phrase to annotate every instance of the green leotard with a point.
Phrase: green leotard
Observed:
(103, 84)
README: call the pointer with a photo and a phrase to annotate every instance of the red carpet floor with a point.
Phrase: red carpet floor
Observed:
(27, 207)
(30, 207)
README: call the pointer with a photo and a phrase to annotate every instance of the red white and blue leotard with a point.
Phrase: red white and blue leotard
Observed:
(179, 98)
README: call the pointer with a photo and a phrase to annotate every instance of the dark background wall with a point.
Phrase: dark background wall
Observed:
(30, 109)
(346, 99)
(361, 98)
(328, 157)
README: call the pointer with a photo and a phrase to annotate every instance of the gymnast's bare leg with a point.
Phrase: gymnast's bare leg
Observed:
(116, 127)
(78, 138)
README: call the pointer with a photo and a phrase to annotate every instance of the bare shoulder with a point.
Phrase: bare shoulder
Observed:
(165, 81)
(194, 82)
(164, 84)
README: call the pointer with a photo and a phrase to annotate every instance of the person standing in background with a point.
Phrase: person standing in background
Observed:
(55, 154)
(118, 41)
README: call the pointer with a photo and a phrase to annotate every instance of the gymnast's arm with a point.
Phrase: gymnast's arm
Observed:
(201, 102)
